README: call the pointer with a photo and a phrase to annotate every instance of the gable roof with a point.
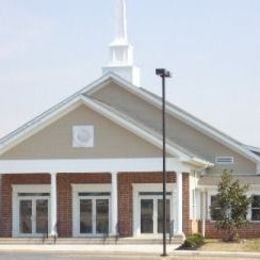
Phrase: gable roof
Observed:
(83, 97)
(182, 115)
(253, 149)
(63, 108)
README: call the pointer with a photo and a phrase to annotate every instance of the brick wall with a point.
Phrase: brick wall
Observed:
(64, 197)
(125, 181)
(6, 198)
(125, 201)
(187, 222)
(252, 230)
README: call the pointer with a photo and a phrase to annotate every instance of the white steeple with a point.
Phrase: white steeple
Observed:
(121, 51)
(121, 22)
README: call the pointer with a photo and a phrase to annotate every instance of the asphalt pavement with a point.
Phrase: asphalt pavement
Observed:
(88, 256)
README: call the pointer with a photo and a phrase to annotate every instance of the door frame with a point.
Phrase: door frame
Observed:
(36, 188)
(155, 199)
(77, 188)
(150, 187)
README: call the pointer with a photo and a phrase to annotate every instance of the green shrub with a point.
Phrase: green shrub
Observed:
(193, 241)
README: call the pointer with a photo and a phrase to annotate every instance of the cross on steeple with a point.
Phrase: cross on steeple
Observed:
(121, 51)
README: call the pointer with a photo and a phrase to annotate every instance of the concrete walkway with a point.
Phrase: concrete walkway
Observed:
(127, 251)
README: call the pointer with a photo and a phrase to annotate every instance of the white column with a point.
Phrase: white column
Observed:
(174, 210)
(114, 204)
(179, 230)
(53, 231)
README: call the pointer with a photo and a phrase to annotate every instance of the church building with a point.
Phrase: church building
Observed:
(91, 166)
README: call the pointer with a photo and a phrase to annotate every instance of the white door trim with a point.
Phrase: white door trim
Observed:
(36, 188)
(76, 188)
(149, 187)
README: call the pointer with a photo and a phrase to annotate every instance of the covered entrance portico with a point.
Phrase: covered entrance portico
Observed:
(95, 209)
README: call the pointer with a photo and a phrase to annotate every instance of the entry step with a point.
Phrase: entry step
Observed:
(90, 241)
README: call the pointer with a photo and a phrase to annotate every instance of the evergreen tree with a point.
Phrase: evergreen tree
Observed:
(230, 207)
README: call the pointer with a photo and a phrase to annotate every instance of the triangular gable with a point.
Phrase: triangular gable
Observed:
(180, 114)
(57, 141)
(63, 108)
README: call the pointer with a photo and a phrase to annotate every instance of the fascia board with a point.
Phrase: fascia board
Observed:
(200, 162)
(37, 124)
(252, 148)
(41, 121)
(98, 84)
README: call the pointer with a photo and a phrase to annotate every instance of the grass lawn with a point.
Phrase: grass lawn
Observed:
(246, 245)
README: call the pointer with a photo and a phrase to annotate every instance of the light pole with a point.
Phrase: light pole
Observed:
(163, 73)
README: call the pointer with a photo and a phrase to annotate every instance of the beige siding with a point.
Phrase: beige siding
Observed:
(55, 141)
(177, 131)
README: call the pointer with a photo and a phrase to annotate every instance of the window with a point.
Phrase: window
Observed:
(153, 193)
(32, 194)
(255, 209)
(214, 208)
(224, 160)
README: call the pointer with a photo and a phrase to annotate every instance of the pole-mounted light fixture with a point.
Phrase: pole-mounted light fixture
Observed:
(163, 73)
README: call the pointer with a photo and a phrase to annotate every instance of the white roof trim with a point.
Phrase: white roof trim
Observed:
(63, 108)
(41, 121)
(92, 165)
(198, 161)
(252, 148)
(37, 124)
(183, 116)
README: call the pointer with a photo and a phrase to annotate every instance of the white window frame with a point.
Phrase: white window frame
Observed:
(150, 187)
(77, 188)
(211, 193)
(251, 208)
(224, 163)
(21, 188)
(254, 191)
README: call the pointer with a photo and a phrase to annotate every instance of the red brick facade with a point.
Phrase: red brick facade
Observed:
(252, 230)
(187, 222)
(125, 191)
(7, 182)
(64, 196)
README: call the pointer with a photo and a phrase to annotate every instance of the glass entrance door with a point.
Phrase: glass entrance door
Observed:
(41, 216)
(94, 215)
(33, 216)
(147, 216)
(25, 224)
(151, 215)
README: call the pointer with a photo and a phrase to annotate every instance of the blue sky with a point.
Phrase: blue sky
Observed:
(51, 48)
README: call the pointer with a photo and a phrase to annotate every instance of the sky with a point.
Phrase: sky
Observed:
(49, 49)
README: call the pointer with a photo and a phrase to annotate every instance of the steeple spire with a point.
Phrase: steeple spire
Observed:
(121, 21)
(121, 51)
